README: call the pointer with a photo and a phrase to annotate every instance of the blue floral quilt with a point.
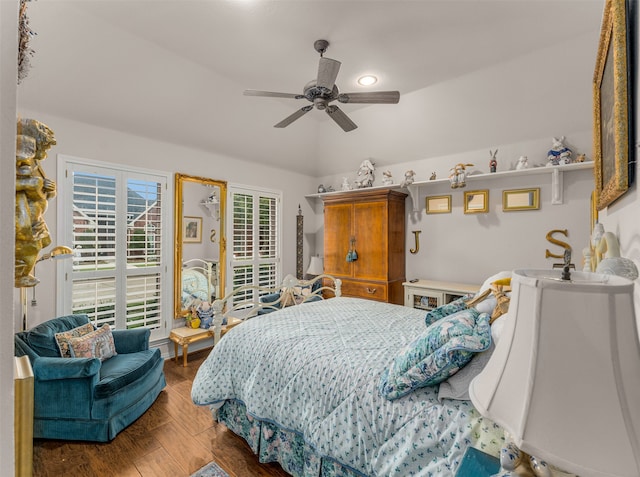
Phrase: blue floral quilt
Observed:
(312, 372)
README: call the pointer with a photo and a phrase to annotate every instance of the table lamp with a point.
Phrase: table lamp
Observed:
(315, 266)
(564, 379)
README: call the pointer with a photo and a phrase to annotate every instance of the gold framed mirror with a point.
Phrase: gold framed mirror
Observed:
(521, 199)
(438, 204)
(476, 201)
(200, 241)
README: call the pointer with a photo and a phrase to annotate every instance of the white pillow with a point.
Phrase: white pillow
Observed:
(497, 326)
(457, 386)
(498, 276)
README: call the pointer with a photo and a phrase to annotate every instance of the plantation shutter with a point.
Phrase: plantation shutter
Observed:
(255, 238)
(118, 222)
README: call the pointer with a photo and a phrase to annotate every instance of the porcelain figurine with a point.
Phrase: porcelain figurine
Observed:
(365, 174)
(458, 175)
(409, 177)
(388, 180)
(493, 162)
(345, 184)
(559, 154)
(523, 163)
(516, 463)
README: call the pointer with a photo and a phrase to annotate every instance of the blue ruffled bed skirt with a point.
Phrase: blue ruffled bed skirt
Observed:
(272, 443)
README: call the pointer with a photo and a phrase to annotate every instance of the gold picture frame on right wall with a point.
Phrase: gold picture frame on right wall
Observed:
(613, 154)
(521, 199)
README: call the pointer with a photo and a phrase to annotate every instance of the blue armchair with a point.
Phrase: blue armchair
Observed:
(84, 398)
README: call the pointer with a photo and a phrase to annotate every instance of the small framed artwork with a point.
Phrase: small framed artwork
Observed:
(476, 201)
(438, 204)
(521, 199)
(612, 134)
(192, 229)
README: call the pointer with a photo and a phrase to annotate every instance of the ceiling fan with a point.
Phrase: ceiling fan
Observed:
(323, 90)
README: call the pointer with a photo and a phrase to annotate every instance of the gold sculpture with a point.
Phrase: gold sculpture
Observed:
(33, 190)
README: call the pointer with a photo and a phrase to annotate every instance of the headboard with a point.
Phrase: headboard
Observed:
(241, 305)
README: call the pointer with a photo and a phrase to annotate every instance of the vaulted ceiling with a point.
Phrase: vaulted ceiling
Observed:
(175, 70)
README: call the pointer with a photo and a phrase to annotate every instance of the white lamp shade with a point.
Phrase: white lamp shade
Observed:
(564, 379)
(315, 266)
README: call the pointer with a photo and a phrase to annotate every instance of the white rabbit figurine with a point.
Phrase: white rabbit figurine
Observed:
(522, 163)
(559, 153)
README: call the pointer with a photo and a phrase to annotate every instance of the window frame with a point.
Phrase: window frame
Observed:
(65, 226)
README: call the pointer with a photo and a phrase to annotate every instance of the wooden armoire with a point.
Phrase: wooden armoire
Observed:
(370, 222)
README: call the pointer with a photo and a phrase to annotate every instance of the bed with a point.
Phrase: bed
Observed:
(302, 386)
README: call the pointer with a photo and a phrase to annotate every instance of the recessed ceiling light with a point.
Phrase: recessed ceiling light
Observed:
(367, 80)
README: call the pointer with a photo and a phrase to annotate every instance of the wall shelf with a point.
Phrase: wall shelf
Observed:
(556, 173)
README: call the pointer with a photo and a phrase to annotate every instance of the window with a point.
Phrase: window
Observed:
(255, 238)
(116, 221)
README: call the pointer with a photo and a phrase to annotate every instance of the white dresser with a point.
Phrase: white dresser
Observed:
(430, 294)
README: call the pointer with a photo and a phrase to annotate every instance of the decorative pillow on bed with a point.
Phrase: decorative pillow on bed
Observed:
(97, 344)
(444, 347)
(62, 338)
(448, 309)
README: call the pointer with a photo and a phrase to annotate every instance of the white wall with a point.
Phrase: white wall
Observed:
(468, 248)
(543, 94)
(85, 141)
(8, 75)
(515, 107)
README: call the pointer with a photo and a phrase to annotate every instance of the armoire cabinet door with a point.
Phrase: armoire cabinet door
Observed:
(338, 231)
(370, 229)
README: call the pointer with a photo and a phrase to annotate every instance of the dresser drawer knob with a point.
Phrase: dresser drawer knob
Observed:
(371, 291)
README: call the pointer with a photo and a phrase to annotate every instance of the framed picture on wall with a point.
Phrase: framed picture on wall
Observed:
(191, 229)
(521, 199)
(438, 204)
(612, 134)
(476, 201)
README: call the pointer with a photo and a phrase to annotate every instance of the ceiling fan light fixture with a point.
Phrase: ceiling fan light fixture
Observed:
(367, 80)
(323, 90)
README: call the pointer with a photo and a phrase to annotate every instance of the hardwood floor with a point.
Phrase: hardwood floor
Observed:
(173, 438)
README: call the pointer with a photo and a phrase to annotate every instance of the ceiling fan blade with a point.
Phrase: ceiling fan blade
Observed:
(271, 94)
(327, 73)
(374, 97)
(339, 117)
(289, 119)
